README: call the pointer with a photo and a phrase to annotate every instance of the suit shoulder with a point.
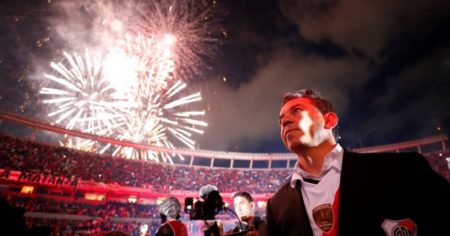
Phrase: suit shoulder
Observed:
(407, 164)
(386, 156)
(281, 191)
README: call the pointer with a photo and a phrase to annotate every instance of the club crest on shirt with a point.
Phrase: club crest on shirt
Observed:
(404, 227)
(323, 216)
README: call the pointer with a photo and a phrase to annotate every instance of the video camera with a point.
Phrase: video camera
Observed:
(207, 207)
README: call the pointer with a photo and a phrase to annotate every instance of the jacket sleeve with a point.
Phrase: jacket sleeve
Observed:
(270, 229)
(262, 228)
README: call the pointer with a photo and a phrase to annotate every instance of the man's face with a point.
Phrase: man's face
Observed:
(302, 124)
(243, 207)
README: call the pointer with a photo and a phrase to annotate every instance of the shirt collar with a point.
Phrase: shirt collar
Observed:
(333, 160)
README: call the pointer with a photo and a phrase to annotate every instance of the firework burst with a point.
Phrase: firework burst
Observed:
(160, 109)
(137, 90)
(148, 64)
(81, 97)
(140, 102)
(163, 118)
(191, 24)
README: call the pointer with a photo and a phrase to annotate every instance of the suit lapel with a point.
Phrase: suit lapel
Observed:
(351, 183)
(304, 224)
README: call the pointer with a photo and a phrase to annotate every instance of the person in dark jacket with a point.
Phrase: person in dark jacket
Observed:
(333, 191)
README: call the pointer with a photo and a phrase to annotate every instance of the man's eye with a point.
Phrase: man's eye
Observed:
(296, 110)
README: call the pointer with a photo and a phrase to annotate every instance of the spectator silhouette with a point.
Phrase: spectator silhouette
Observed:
(11, 219)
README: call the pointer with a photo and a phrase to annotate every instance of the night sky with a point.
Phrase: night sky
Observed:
(384, 64)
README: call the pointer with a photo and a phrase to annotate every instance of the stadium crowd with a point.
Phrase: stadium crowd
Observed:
(75, 217)
(26, 156)
(34, 203)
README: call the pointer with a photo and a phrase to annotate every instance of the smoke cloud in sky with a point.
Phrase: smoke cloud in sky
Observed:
(366, 26)
(416, 99)
(249, 114)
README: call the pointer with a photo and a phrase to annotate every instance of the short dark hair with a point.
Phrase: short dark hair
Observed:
(314, 95)
(243, 194)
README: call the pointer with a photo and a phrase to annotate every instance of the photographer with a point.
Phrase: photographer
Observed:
(206, 208)
(170, 210)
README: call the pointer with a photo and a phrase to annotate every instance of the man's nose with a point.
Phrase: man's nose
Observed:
(286, 121)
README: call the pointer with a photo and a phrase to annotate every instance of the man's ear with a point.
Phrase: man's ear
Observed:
(331, 120)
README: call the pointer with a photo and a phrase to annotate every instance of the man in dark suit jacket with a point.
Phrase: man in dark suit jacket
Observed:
(336, 192)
